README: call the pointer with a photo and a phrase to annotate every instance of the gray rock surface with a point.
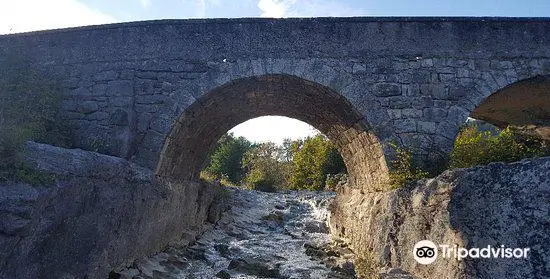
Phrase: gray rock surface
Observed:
(497, 204)
(101, 213)
(264, 235)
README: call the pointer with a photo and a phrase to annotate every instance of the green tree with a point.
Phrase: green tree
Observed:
(314, 159)
(473, 147)
(266, 167)
(403, 170)
(226, 159)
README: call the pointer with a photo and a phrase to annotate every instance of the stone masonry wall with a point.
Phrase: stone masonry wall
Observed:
(415, 80)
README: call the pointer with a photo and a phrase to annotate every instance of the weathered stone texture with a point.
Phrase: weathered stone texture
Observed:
(498, 204)
(153, 92)
(103, 212)
(415, 80)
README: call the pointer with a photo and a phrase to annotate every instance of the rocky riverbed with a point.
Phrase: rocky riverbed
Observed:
(263, 235)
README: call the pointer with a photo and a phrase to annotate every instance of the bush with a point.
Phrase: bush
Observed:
(265, 171)
(403, 170)
(226, 159)
(314, 159)
(473, 147)
(29, 103)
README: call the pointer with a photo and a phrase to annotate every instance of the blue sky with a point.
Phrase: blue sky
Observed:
(146, 9)
(28, 15)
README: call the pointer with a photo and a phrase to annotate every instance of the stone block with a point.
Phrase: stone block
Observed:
(87, 107)
(120, 88)
(436, 114)
(426, 127)
(119, 118)
(143, 121)
(394, 113)
(106, 76)
(436, 90)
(99, 89)
(387, 89)
(405, 126)
(359, 68)
(411, 112)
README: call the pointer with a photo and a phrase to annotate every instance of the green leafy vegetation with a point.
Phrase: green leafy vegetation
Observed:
(266, 169)
(301, 164)
(28, 106)
(403, 170)
(314, 159)
(226, 159)
(473, 147)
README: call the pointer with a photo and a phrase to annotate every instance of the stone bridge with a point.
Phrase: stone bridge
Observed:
(160, 93)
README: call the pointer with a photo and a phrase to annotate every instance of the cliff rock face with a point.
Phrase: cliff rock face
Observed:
(498, 204)
(103, 212)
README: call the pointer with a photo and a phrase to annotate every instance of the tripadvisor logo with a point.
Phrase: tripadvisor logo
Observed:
(426, 252)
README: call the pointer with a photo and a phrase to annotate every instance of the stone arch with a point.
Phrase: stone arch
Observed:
(525, 104)
(201, 124)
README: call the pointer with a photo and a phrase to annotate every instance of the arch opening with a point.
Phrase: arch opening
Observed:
(524, 105)
(511, 124)
(197, 130)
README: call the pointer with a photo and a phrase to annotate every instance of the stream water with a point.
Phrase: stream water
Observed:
(263, 235)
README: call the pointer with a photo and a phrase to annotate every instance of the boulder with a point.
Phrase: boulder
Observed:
(498, 204)
(101, 213)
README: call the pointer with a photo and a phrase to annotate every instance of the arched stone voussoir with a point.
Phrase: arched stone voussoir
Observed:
(204, 122)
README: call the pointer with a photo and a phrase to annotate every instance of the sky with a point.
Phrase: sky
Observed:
(29, 15)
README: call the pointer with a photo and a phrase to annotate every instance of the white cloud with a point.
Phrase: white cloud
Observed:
(305, 8)
(145, 3)
(30, 15)
(274, 8)
(201, 8)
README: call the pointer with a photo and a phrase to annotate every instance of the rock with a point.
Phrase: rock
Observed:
(254, 267)
(275, 216)
(316, 227)
(394, 273)
(223, 274)
(497, 204)
(103, 212)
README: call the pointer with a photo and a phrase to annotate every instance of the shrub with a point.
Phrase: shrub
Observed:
(209, 177)
(473, 147)
(403, 170)
(265, 171)
(29, 103)
(226, 158)
(313, 159)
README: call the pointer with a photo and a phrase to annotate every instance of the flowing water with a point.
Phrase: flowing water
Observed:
(263, 235)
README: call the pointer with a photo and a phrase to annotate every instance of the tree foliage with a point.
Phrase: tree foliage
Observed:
(226, 159)
(314, 159)
(473, 147)
(299, 164)
(266, 168)
(403, 170)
